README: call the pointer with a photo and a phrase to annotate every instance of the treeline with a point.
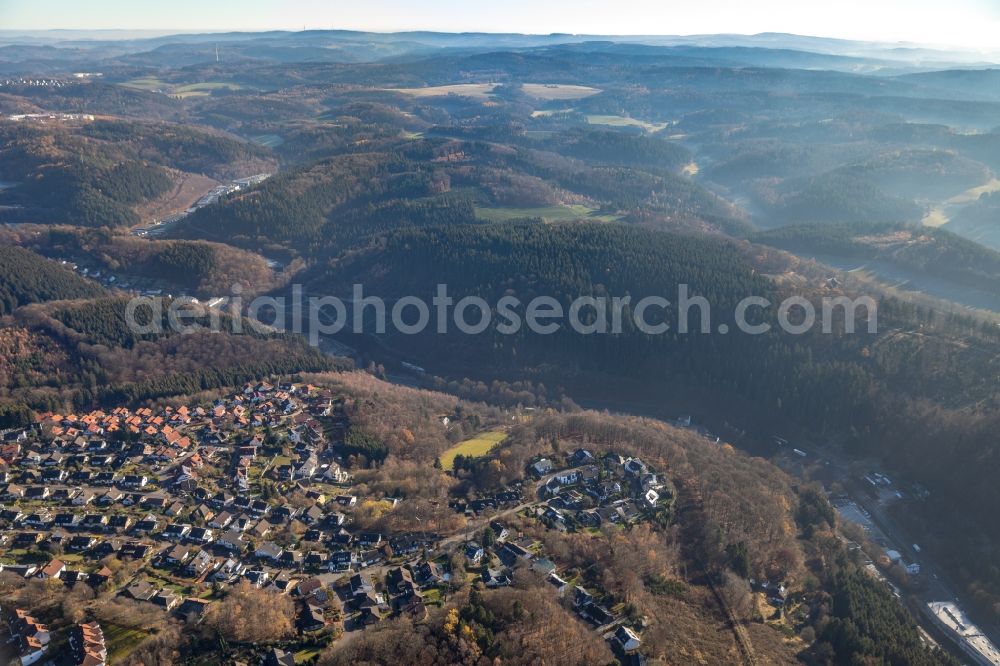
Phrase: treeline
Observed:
(367, 220)
(325, 207)
(104, 321)
(505, 394)
(15, 415)
(82, 193)
(359, 442)
(26, 277)
(291, 362)
(99, 98)
(629, 187)
(187, 264)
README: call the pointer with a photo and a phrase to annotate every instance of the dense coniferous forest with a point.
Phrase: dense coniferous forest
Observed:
(25, 277)
(570, 261)
(867, 622)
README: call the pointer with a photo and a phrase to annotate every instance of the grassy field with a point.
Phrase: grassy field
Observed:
(557, 213)
(476, 447)
(543, 91)
(622, 121)
(120, 641)
(940, 214)
(432, 596)
(478, 90)
(303, 656)
(202, 89)
(935, 217)
(974, 193)
(546, 113)
(187, 90)
(551, 91)
(146, 83)
(268, 140)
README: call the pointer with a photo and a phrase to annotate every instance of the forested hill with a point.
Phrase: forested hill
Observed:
(96, 173)
(868, 392)
(565, 260)
(926, 250)
(26, 277)
(67, 356)
(323, 207)
(571, 260)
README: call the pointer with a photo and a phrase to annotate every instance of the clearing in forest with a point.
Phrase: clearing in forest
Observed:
(476, 447)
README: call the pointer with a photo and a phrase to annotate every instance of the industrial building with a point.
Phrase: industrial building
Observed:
(950, 619)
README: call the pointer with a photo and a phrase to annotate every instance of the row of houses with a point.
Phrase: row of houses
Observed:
(30, 637)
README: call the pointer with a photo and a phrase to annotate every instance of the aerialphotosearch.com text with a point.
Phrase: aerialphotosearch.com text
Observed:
(361, 313)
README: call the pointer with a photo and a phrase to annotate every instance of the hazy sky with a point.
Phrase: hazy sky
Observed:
(969, 23)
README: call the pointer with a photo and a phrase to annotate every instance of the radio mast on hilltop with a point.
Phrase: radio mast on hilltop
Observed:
(216, 53)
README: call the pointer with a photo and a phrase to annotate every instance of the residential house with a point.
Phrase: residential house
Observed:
(231, 540)
(541, 467)
(53, 569)
(626, 639)
(399, 580)
(278, 657)
(192, 609)
(141, 591)
(494, 578)
(135, 481)
(120, 521)
(269, 551)
(176, 531)
(79, 544)
(221, 521)
(229, 570)
(473, 552)
(199, 564)
(429, 573)
(340, 560)
(166, 599)
(174, 555)
(201, 535)
(311, 619)
(361, 584)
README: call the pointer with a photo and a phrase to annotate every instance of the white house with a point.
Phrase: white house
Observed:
(627, 639)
